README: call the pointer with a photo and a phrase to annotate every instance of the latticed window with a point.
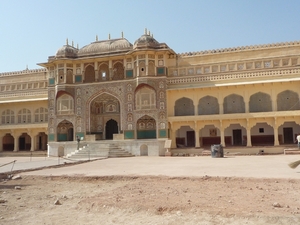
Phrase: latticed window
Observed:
(118, 71)
(24, 116)
(41, 115)
(145, 98)
(65, 104)
(8, 116)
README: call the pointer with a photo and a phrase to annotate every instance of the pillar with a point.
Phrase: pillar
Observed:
(110, 69)
(197, 138)
(173, 137)
(276, 141)
(222, 134)
(249, 144)
(16, 142)
(246, 106)
(221, 109)
(32, 148)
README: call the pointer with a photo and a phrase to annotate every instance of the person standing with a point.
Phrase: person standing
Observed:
(298, 140)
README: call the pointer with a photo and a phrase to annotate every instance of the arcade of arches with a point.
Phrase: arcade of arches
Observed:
(234, 122)
(27, 141)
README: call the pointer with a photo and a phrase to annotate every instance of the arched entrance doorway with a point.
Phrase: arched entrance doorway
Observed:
(111, 128)
(41, 141)
(24, 142)
(185, 137)
(65, 131)
(262, 134)
(104, 116)
(8, 143)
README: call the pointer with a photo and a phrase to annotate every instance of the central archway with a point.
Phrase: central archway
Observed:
(104, 116)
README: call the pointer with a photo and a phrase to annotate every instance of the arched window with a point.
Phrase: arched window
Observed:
(8, 116)
(184, 107)
(103, 72)
(208, 105)
(234, 104)
(41, 115)
(89, 74)
(118, 71)
(260, 102)
(65, 104)
(145, 98)
(288, 100)
(24, 116)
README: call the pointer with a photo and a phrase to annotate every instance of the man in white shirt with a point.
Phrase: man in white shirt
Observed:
(298, 140)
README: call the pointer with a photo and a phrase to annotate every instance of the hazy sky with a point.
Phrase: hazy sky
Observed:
(32, 30)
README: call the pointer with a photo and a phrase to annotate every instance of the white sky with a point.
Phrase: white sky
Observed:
(32, 30)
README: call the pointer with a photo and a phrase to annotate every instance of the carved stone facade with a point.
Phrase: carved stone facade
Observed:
(245, 96)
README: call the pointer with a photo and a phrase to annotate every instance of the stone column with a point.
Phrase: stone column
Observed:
(137, 68)
(222, 134)
(221, 109)
(246, 106)
(173, 137)
(16, 142)
(32, 136)
(96, 71)
(249, 144)
(276, 141)
(146, 64)
(197, 135)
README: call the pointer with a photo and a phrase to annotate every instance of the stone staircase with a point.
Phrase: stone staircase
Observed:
(83, 153)
(110, 151)
(115, 152)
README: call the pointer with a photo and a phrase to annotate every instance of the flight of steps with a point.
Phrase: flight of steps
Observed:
(115, 152)
(112, 151)
(84, 153)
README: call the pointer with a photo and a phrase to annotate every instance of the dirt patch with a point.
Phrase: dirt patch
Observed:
(149, 200)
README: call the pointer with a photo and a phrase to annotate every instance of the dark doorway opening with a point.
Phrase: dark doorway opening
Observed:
(237, 137)
(190, 138)
(111, 128)
(288, 135)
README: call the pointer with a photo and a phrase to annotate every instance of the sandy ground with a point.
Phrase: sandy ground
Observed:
(138, 191)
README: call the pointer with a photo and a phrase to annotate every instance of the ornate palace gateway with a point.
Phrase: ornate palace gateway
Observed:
(141, 94)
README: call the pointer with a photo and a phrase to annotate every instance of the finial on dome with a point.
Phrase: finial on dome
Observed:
(108, 36)
(145, 30)
(67, 41)
(96, 37)
(122, 34)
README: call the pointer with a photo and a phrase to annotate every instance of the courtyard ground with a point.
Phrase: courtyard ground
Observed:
(155, 190)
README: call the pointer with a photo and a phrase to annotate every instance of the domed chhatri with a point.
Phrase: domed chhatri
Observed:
(104, 47)
(66, 51)
(146, 41)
